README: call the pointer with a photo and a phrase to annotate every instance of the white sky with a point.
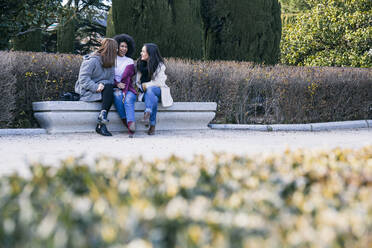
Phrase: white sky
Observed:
(65, 1)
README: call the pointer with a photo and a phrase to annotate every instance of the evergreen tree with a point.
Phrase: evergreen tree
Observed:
(110, 28)
(209, 29)
(66, 36)
(242, 30)
(173, 25)
(30, 41)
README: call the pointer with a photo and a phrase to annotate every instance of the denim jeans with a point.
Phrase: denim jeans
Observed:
(152, 96)
(126, 109)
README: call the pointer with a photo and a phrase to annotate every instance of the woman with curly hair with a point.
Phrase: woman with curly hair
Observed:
(96, 80)
(124, 94)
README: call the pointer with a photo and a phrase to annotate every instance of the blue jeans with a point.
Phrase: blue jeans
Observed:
(152, 96)
(126, 109)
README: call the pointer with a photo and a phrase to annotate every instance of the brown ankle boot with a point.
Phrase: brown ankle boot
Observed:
(151, 130)
(146, 117)
(132, 126)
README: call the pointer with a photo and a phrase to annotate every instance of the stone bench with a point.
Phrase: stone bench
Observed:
(79, 116)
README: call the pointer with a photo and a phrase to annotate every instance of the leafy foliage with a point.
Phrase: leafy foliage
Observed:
(333, 33)
(21, 17)
(294, 6)
(295, 199)
(83, 23)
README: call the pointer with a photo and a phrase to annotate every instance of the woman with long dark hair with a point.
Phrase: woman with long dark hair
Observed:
(124, 94)
(150, 80)
(96, 80)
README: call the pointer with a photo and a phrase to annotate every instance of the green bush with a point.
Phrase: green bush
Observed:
(294, 199)
(332, 33)
(244, 92)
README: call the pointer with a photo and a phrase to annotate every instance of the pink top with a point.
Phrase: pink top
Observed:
(126, 79)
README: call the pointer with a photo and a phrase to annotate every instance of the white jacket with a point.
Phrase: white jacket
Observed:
(158, 79)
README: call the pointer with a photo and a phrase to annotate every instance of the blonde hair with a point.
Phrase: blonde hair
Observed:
(108, 52)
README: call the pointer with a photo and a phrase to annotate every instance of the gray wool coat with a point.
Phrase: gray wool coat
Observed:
(91, 74)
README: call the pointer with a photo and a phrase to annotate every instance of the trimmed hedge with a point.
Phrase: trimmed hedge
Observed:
(294, 199)
(27, 77)
(244, 92)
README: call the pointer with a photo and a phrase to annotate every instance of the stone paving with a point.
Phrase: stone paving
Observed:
(18, 151)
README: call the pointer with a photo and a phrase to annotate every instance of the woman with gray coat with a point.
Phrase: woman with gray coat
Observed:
(96, 80)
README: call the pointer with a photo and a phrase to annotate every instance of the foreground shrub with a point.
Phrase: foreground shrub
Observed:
(244, 92)
(296, 199)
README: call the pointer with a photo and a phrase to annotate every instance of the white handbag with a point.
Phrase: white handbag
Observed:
(166, 98)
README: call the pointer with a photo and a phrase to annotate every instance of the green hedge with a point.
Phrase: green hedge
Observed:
(294, 199)
(244, 92)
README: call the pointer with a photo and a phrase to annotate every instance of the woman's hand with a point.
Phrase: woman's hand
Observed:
(121, 85)
(144, 87)
(100, 87)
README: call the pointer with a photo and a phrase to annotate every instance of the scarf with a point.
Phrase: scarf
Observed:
(144, 71)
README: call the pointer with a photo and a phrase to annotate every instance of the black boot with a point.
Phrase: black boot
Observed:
(102, 118)
(102, 129)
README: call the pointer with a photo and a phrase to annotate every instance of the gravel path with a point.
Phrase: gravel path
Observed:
(18, 151)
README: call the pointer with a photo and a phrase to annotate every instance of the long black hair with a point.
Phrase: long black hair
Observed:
(155, 58)
(127, 39)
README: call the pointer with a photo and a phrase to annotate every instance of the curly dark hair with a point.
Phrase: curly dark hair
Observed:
(127, 39)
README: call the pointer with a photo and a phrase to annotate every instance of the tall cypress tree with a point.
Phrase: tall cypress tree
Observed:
(66, 36)
(173, 25)
(30, 41)
(242, 30)
(110, 28)
(209, 29)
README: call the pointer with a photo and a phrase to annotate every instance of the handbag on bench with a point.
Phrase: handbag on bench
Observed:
(69, 96)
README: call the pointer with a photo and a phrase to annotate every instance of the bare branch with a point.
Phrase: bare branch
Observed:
(27, 31)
